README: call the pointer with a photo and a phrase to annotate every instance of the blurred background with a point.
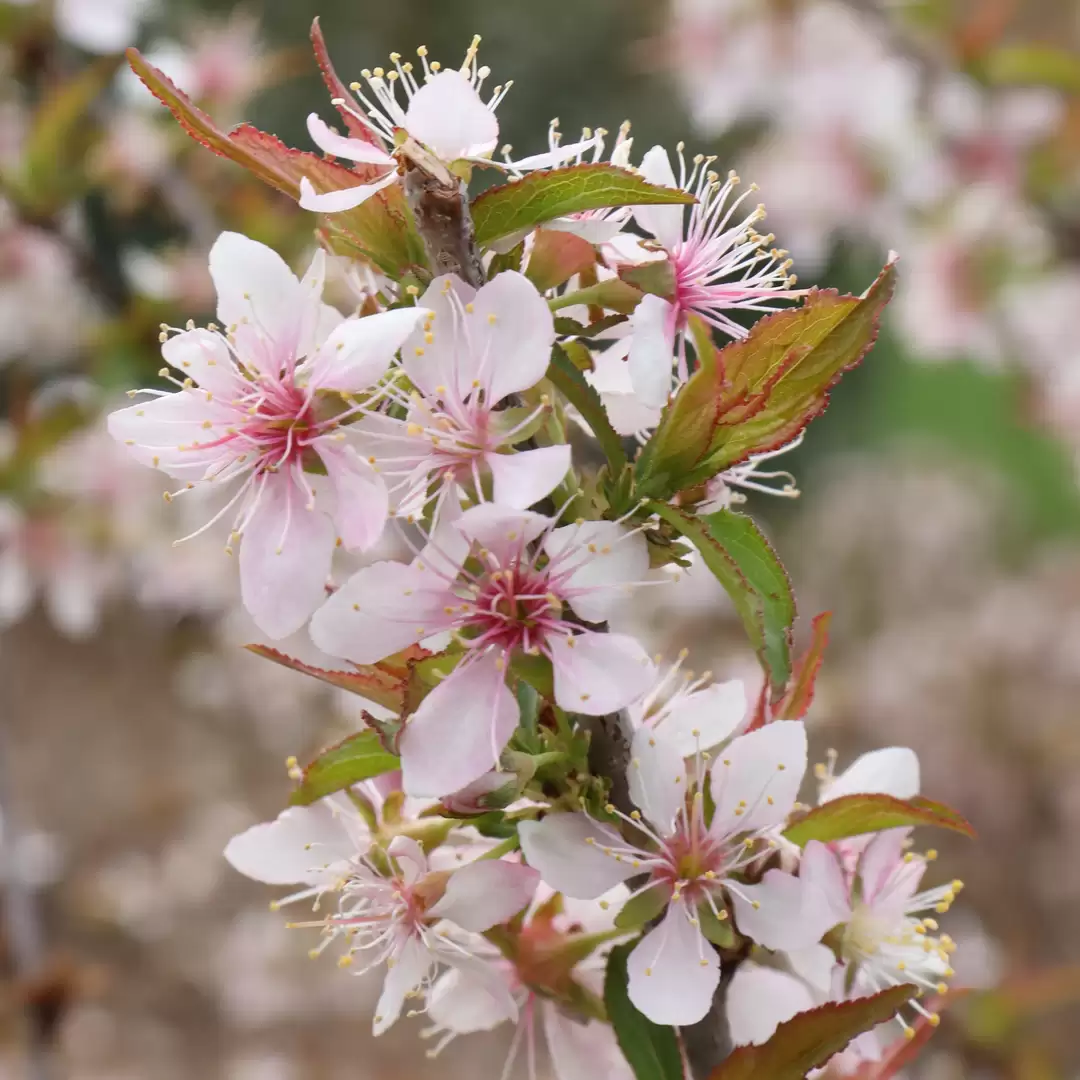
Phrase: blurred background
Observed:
(939, 519)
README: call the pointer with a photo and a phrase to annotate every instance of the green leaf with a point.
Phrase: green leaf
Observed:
(799, 695)
(758, 394)
(556, 257)
(853, 815)
(742, 560)
(642, 908)
(569, 381)
(652, 1051)
(656, 277)
(1033, 64)
(380, 230)
(543, 195)
(809, 1039)
(359, 757)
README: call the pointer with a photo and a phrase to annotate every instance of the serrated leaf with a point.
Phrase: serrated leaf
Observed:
(808, 1040)
(340, 93)
(380, 230)
(799, 695)
(359, 757)
(569, 381)
(550, 193)
(854, 815)
(643, 908)
(556, 257)
(651, 1051)
(758, 394)
(383, 683)
(742, 560)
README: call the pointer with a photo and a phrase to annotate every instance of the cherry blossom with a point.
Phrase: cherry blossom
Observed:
(476, 350)
(674, 971)
(246, 409)
(531, 574)
(390, 902)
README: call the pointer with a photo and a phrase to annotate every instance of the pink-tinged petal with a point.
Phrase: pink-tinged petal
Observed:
(380, 610)
(460, 729)
(567, 849)
(756, 779)
(503, 530)
(486, 893)
(302, 844)
(255, 286)
(333, 202)
(162, 432)
(512, 330)
(599, 673)
(447, 356)
(412, 962)
(606, 560)
(704, 718)
(673, 971)
(330, 142)
(285, 557)
(524, 478)
(580, 1051)
(893, 770)
(318, 319)
(204, 356)
(879, 865)
(465, 1000)
(360, 350)
(657, 778)
(664, 222)
(782, 912)
(820, 869)
(410, 857)
(652, 350)
(360, 493)
(447, 115)
(760, 999)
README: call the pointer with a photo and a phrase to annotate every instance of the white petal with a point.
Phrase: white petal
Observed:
(657, 778)
(460, 729)
(607, 561)
(652, 350)
(512, 330)
(880, 867)
(380, 610)
(580, 1051)
(448, 359)
(285, 557)
(523, 478)
(162, 432)
(299, 845)
(893, 770)
(756, 779)
(715, 712)
(760, 999)
(333, 202)
(782, 912)
(410, 857)
(551, 159)
(360, 350)
(255, 285)
(448, 117)
(411, 964)
(204, 356)
(673, 971)
(360, 493)
(503, 530)
(486, 893)
(664, 222)
(467, 1000)
(559, 847)
(816, 966)
(329, 141)
(599, 673)
(820, 869)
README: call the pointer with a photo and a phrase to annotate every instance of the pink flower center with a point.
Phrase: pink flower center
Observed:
(692, 861)
(514, 608)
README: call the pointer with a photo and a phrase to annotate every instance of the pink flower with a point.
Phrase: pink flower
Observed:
(247, 410)
(720, 264)
(443, 111)
(515, 602)
(475, 350)
(389, 908)
(674, 971)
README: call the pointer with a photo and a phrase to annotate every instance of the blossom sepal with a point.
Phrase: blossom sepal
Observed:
(359, 757)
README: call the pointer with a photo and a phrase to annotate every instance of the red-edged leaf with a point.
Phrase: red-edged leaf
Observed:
(556, 257)
(808, 1040)
(758, 394)
(799, 696)
(359, 757)
(853, 815)
(384, 683)
(339, 90)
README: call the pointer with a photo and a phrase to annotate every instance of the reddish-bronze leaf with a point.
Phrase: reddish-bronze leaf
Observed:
(556, 257)
(799, 695)
(339, 90)
(854, 815)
